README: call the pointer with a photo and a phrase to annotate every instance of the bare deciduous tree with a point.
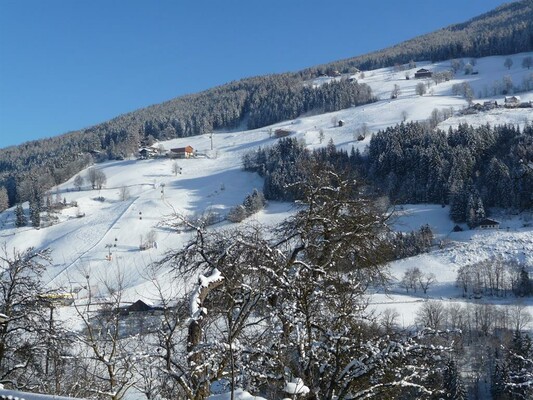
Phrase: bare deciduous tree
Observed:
(97, 178)
(426, 280)
(420, 89)
(395, 92)
(105, 356)
(124, 193)
(78, 182)
(176, 169)
(431, 314)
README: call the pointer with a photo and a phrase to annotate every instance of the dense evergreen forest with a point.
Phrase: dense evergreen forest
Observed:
(468, 168)
(255, 102)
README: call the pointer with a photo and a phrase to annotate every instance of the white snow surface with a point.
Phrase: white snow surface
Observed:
(80, 246)
(297, 386)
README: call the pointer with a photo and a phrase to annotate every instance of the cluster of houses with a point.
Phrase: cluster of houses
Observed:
(509, 102)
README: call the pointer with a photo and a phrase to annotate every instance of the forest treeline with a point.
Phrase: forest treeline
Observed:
(257, 101)
(507, 29)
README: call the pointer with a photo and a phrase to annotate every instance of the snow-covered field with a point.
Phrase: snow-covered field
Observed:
(114, 227)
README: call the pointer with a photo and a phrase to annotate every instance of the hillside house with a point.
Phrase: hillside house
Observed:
(181, 152)
(147, 152)
(489, 223)
(279, 133)
(139, 307)
(423, 73)
(512, 101)
(341, 122)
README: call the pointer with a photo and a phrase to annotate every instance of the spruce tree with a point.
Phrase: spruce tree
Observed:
(475, 211)
(20, 218)
(518, 380)
(35, 213)
(453, 384)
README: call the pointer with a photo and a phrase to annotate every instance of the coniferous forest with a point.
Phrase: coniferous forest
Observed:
(468, 168)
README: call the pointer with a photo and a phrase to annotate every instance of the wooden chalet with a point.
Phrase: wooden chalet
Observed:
(512, 101)
(139, 307)
(147, 152)
(488, 223)
(181, 152)
(423, 73)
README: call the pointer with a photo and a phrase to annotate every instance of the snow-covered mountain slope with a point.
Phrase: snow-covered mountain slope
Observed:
(102, 235)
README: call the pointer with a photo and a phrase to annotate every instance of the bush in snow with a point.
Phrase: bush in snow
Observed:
(253, 203)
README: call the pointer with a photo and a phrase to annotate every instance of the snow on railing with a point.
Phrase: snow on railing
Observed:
(15, 395)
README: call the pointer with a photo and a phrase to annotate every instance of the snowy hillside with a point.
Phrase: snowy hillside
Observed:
(102, 235)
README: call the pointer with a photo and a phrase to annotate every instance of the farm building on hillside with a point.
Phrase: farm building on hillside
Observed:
(279, 133)
(512, 101)
(139, 307)
(181, 152)
(488, 223)
(423, 73)
(147, 152)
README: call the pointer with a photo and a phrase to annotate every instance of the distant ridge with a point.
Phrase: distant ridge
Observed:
(507, 29)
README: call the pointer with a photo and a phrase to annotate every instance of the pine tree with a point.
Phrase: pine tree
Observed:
(20, 218)
(475, 211)
(524, 283)
(458, 206)
(453, 384)
(498, 377)
(254, 202)
(518, 380)
(35, 213)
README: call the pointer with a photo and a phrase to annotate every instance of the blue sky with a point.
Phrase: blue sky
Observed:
(69, 64)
